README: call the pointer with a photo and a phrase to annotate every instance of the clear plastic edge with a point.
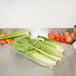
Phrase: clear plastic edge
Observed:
(67, 54)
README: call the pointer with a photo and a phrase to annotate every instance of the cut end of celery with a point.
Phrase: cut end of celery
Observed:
(56, 62)
(63, 52)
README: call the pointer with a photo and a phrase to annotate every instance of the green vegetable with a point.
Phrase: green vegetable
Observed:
(47, 39)
(53, 44)
(15, 35)
(38, 49)
(38, 45)
(41, 57)
(45, 48)
(22, 45)
(26, 48)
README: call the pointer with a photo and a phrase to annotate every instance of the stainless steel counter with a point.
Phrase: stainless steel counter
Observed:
(13, 64)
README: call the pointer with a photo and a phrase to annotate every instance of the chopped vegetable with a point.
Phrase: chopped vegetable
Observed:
(59, 37)
(44, 47)
(15, 35)
(69, 39)
(3, 42)
(52, 37)
(50, 34)
(73, 36)
(63, 39)
(41, 47)
(7, 40)
(66, 34)
(26, 48)
(41, 57)
(11, 39)
(59, 40)
(53, 44)
(45, 51)
(57, 34)
(3, 34)
(47, 39)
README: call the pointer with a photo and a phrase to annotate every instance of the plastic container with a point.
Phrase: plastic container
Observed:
(67, 54)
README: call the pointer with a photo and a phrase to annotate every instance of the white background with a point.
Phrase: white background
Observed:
(37, 13)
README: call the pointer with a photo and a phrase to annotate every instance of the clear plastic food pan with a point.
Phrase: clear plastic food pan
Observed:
(67, 54)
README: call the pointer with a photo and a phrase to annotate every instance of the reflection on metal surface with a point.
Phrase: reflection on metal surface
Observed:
(7, 30)
(61, 30)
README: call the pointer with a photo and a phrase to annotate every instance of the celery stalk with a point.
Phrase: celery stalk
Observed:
(55, 45)
(15, 34)
(41, 57)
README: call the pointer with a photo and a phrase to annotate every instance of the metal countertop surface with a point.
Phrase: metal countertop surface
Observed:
(13, 64)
